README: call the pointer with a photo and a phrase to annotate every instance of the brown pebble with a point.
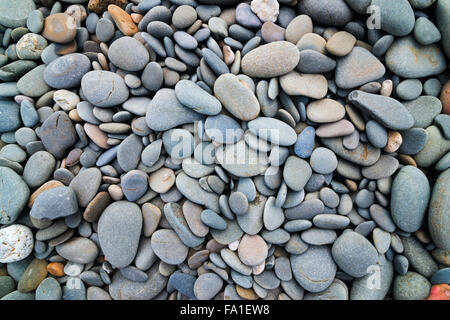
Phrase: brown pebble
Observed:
(95, 134)
(33, 275)
(195, 27)
(73, 157)
(445, 98)
(422, 236)
(272, 32)
(123, 20)
(386, 88)
(99, 6)
(394, 141)
(136, 17)
(60, 28)
(95, 208)
(228, 55)
(351, 185)
(115, 192)
(74, 116)
(151, 215)
(247, 294)
(56, 269)
(407, 160)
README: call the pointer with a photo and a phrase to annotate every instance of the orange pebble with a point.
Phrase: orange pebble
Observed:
(56, 269)
(439, 292)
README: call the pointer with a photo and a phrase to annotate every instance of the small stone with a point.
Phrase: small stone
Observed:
(60, 28)
(17, 243)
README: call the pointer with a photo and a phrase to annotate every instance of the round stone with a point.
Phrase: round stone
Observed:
(17, 243)
(168, 247)
(119, 229)
(354, 254)
(323, 160)
(60, 28)
(104, 88)
(128, 54)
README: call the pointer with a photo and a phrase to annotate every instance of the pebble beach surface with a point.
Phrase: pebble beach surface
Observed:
(222, 149)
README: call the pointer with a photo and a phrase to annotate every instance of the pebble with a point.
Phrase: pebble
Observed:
(55, 203)
(79, 250)
(310, 85)
(233, 94)
(411, 286)
(197, 99)
(119, 228)
(59, 28)
(306, 273)
(406, 58)
(359, 67)
(14, 194)
(409, 198)
(387, 111)
(168, 247)
(354, 254)
(110, 89)
(128, 54)
(257, 64)
(17, 243)
(49, 289)
(207, 286)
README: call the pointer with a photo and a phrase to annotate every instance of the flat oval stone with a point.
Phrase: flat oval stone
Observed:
(258, 62)
(358, 68)
(252, 250)
(86, 185)
(409, 198)
(336, 129)
(438, 214)
(168, 247)
(10, 119)
(38, 168)
(354, 254)
(318, 237)
(301, 84)
(194, 97)
(32, 84)
(14, 194)
(128, 54)
(252, 222)
(273, 130)
(273, 216)
(33, 276)
(242, 161)
(207, 286)
(134, 184)
(119, 229)
(408, 59)
(233, 94)
(325, 110)
(296, 173)
(315, 269)
(305, 142)
(104, 88)
(166, 112)
(411, 286)
(364, 154)
(78, 250)
(67, 71)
